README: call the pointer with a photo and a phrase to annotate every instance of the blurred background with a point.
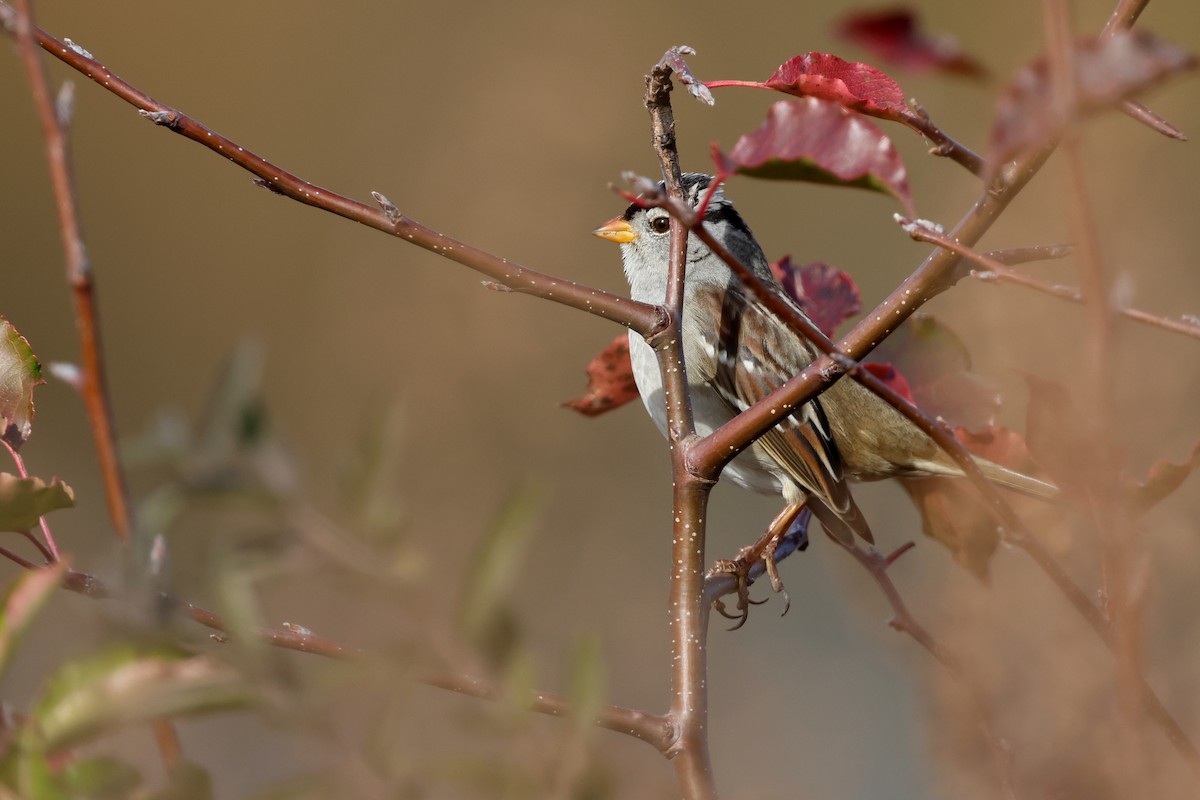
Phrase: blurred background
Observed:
(503, 125)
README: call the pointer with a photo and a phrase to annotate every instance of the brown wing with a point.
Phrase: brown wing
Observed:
(803, 443)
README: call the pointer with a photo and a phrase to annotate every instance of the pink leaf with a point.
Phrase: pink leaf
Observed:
(1163, 479)
(826, 294)
(819, 141)
(1107, 71)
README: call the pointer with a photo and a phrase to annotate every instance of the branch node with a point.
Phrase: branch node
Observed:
(167, 118)
(496, 286)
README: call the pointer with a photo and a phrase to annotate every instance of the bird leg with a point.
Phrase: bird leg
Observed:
(793, 518)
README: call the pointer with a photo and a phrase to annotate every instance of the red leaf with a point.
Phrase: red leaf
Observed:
(610, 380)
(894, 35)
(897, 382)
(826, 294)
(851, 84)
(815, 140)
(1163, 479)
(1108, 70)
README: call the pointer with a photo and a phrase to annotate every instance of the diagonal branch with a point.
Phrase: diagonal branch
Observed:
(998, 272)
(643, 318)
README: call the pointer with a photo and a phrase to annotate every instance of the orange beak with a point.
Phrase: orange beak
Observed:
(616, 230)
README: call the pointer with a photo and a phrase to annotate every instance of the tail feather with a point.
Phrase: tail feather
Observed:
(1018, 481)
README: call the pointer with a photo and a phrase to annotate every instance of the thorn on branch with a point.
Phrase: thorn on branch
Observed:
(892, 557)
(387, 206)
(167, 118)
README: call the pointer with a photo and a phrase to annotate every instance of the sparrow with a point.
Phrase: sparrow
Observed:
(736, 352)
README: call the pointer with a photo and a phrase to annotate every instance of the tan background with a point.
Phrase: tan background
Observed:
(501, 124)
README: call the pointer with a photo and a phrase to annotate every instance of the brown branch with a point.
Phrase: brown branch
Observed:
(689, 609)
(995, 271)
(650, 728)
(943, 145)
(876, 564)
(643, 318)
(1124, 15)
(79, 275)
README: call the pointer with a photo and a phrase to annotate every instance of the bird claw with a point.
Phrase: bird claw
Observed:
(762, 551)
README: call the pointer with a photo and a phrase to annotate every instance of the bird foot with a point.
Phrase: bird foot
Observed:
(745, 566)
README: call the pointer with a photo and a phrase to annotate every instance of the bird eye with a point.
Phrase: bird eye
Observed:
(660, 224)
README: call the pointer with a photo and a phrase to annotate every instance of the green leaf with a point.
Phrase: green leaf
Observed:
(24, 500)
(587, 682)
(123, 686)
(25, 599)
(100, 778)
(20, 371)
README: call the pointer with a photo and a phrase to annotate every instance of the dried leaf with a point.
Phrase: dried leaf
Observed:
(610, 380)
(1162, 480)
(823, 142)
(895, 35)
(951, 514)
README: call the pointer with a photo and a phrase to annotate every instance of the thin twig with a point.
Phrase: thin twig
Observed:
(1000, 272)
(650, 728)
(876, 564)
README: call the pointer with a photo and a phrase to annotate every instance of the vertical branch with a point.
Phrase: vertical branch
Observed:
(79, 275)
(1109, 514)
(689, 611)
